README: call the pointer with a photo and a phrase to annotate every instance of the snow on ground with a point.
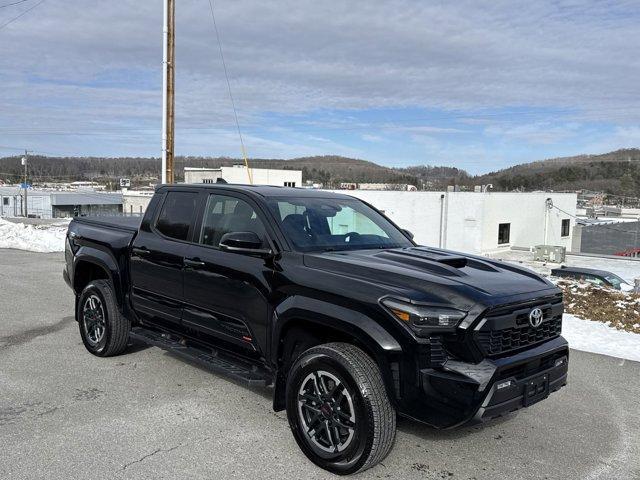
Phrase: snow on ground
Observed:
(597, 337)
(33, 238)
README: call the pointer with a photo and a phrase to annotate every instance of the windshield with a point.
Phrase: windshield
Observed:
(326, 224)
(614, 280)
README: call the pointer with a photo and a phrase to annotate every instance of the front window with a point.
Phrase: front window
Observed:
(566, 223)
(225, 214)
(326, 224)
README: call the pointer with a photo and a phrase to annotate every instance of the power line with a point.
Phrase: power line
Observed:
(23, 13)
(233, 104)
(14, 3)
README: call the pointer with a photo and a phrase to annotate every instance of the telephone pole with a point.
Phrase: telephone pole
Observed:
(168, 83)
(24, 183)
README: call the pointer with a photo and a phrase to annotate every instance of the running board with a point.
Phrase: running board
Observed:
(250, 375)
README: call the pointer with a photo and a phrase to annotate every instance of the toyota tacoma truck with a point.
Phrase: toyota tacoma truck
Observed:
(326, 301)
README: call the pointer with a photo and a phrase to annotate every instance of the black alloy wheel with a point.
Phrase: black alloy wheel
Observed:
(104, 330)
(338, 408)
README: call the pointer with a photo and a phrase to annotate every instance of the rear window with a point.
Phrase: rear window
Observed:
(177, 214)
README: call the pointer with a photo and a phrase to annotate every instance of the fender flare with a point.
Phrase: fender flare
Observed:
(366, 330)
(106, 262)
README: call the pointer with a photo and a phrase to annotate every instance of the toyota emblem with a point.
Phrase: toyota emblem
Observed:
(535, 317)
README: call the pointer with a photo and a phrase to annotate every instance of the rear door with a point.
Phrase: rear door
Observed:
(226, 294)
(157, 258)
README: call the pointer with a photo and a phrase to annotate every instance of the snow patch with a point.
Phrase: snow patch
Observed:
(33, 238)
(597, 337)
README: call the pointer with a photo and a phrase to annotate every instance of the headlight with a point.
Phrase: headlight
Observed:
(422, 318)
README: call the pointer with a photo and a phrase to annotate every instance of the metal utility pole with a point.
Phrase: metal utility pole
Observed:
(24, 184)
(168, 82)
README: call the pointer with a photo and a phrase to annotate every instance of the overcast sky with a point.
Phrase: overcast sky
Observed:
(470, 84)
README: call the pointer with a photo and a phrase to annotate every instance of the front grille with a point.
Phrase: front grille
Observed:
(507, 329)
(497, 342)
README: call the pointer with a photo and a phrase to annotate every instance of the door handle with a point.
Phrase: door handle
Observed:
(193, 263)
(140, 251)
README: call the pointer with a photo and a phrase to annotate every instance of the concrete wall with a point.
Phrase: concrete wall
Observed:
(418, 212)
(526, 213)
(135, 203)
(468, 221)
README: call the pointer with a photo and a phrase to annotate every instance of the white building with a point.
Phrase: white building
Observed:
(239, 174)
(479, 222)
(135, 202)
(56, 204)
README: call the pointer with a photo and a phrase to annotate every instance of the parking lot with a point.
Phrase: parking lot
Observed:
(147, 414)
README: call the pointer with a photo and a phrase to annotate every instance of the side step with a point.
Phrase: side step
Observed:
(250, 375)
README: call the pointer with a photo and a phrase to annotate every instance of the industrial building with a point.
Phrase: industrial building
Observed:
(239, 174)
(135, 202)
(58, 204)
(479, 222)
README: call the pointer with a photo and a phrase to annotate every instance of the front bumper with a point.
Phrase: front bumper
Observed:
(461, 392)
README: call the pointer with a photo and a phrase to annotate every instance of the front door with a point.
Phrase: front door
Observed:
(226, 294)
(157, 258)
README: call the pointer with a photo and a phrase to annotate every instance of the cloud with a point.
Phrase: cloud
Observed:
(372, 138)
(88, 67)
(535, 133)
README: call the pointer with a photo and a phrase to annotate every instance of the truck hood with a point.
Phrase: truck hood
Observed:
(429, 274)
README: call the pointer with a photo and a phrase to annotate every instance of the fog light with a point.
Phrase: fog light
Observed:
(506, 384)
(560, 361)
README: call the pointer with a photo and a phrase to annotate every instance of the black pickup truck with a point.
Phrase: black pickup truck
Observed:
(323, 298)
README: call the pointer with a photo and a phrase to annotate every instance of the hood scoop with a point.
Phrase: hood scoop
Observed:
(456, 261)
(452, 261)
(423, 258)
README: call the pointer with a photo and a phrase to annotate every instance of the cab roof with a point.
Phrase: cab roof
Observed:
(262, 190)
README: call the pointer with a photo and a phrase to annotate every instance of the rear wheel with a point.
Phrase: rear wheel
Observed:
(338, 408)
(104, 331)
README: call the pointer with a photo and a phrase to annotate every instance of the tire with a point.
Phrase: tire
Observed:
(338, 388)
(104, 331)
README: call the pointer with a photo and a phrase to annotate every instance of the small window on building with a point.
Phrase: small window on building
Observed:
(5, 201)
(566, 223)
(504, 230)
(289, 184)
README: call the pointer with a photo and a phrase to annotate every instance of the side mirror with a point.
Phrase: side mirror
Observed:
(407, 233)
(247, 243)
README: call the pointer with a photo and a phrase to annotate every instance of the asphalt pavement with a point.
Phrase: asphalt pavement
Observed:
(65, 414)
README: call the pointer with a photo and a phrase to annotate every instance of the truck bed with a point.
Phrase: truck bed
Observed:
(122, 223)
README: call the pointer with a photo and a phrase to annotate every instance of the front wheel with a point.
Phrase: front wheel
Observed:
(338, 408)
(104, 331)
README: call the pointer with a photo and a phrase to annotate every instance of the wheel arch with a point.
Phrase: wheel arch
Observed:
(93, 264)
(300, 323)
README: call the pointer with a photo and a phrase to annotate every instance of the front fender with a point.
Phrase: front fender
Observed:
(385, 349)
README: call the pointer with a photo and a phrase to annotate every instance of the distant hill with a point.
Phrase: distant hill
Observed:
(329, 170)
(615, 172)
